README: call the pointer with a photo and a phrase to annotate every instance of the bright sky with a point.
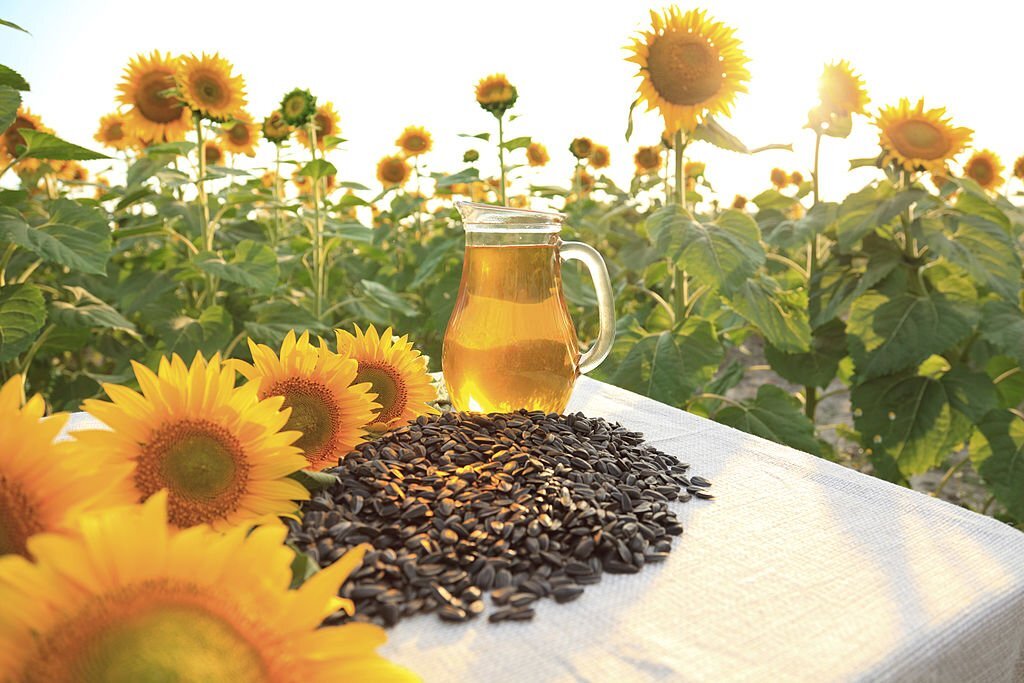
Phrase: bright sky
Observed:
(386, 65)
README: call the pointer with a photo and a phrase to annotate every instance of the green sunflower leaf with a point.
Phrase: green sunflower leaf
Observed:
(22, 316)
(41, 145)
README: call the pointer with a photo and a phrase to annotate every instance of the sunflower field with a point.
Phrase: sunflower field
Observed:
(885, 330)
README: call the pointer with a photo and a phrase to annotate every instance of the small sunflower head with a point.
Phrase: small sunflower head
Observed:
(495, 94)
(600, 157)
(841, 90)
(298, 107)
(209, 87)
(985, 168)
(694, 169)
(393, 171)
(647, 160)
(1018, 168)
(275, 128)
(739, 202)
(581, 148)
(213, 153)
(537, 154)
(796, 178)
(779, 178)
(919, 139)
(113, 131)
(414, 140)
(470, 156)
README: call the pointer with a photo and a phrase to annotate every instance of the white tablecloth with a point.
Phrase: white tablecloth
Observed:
(799, 570)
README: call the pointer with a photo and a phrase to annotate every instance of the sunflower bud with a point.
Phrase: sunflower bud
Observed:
(275, 128)
(298, 107)
(495, 94)
(581, 148)
(470, 156)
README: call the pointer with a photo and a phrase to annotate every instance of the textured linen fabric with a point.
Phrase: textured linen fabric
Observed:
(799, 570)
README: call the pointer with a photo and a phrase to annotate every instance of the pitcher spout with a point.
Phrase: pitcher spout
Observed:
(491, 218)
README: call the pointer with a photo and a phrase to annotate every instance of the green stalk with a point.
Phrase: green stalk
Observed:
(277, 194)
(680, 196)
(680, 284)
(501, 156)
(319, 284)
(4, 261)
(204, 204)
(811, 392)
(36, 345)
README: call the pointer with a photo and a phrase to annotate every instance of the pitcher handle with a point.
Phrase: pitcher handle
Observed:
(605, 301)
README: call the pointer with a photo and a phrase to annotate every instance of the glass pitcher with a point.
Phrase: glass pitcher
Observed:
(510, 342)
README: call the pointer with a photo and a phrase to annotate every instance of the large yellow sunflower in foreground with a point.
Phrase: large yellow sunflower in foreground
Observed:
(917, 139)
(208, 86)
(220, 452)
(128, 598)
(113, 131)
(393, 171)
(841, 91)
(397, 372)
(154, 115)
(414, 140)
(985, 168)
(44, 486)
(690, 65)
(317, 384)
(240, 136)
(326, 121)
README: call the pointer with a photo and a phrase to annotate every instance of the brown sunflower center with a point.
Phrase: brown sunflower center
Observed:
(314, 413)
(209, 90)
(239, 134)
(393, 171)
(648, 158)
(324, 125)
(981, 171)
(158, 630)
(19, 518)
(201, 464)
(389, 386)
(213, 154)
(919, 139)
(151, 104)
(115, 132)
(685, 68)
(13, 137)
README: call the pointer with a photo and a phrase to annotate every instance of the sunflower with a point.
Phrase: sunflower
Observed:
(240, 135)
(218, 451)
(44, 485)
(73, 171)
(12, 138)
(796, 178)
(298, 106)
(600, 157)
(917, 139)
(128, 598)
(209, 87)
(985, 168)
(694, 169)
(470, 156)
(586, 181)
(303, 183)
(393, 171)
(102, 185)
(397, 372)
(414, 140)
(275, 129)
(581, 148)
(154, 114)
(647, 160)
(113, 131)
(739, 202)
(268, 179)
(213, 153)
(537, 154)
(690, 66)
(495, 94)
(1018, 168)
(779, 178)
(326, 122)
(841, 91)
(316, 384)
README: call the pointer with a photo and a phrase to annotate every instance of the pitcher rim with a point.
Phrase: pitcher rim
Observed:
(534, 220)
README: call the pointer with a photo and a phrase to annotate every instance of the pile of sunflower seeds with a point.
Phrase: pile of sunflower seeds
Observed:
(522, 505)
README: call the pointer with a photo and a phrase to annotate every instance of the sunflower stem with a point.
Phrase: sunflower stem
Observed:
(204, 205)
(501, 155)
(36, 345)
(681, 293)
(318, 234)
(680, 194)
(277, 195)
(811, 391)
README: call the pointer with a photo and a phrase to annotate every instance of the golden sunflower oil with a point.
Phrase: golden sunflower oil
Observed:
(510, 342)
